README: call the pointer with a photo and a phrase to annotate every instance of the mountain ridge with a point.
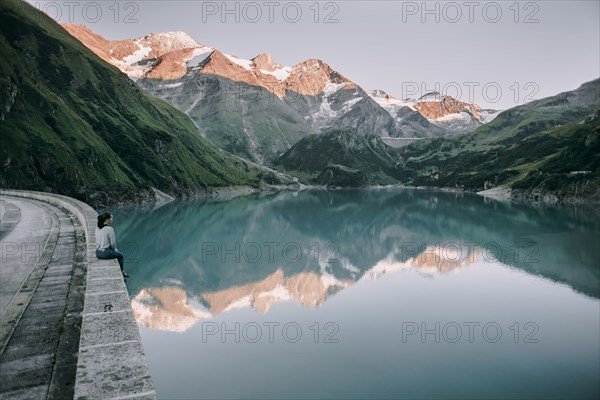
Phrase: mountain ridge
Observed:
(311, 97)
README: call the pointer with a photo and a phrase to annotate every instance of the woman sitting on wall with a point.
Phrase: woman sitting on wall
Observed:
(106, 244)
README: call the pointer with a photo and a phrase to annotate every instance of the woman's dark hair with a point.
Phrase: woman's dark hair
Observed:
(102, 219)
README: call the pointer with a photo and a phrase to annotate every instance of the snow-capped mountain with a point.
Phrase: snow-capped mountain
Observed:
(158, 55)
(443, 111)
(257, 108)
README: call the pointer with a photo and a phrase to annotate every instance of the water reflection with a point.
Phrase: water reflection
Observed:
(191, 261)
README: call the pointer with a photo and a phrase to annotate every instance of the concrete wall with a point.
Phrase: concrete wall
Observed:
(111, 362)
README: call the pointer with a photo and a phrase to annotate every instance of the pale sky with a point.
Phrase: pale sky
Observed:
(496, 54)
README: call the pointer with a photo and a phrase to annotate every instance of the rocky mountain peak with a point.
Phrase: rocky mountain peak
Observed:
(231, 67)
(264, 61)
(171, 55)
(435, 106)
(313, 76)
(165, 42)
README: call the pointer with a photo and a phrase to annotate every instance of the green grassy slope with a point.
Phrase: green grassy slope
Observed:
(548, 161)
(533, 147)
(72, 124)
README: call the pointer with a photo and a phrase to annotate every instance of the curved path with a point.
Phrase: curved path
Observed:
(38, 268)
(66, 326)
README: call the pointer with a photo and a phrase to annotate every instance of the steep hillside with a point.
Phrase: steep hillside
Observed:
(342, 152)
(547, 147)
(72, 124)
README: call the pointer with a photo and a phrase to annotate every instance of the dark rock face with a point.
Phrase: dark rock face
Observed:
(246, 120)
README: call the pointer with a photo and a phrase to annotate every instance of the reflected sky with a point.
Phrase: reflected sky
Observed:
(368, 269)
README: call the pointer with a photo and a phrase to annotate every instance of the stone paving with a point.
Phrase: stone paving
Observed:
(67, 329)
(33, 323)
(21, 248)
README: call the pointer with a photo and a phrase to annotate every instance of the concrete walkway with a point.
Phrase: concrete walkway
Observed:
(66, 325)
(20, 248)
(42, 278)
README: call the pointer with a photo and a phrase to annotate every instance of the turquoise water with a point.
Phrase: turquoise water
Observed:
(366, 294)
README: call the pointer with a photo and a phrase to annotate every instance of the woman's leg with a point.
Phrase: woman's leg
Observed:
(110, 254)
(120, 258)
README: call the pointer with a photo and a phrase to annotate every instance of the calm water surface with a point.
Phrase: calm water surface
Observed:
(366, 294)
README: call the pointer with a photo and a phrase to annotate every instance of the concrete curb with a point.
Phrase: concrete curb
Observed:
(111, 362)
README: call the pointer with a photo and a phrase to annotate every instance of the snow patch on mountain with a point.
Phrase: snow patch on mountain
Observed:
(138, 55)
(171, 85)
(172, 40)
(332, 87)
(328, 280)
(391, 104)
(279, 293)
(280, 73)
(199, 55)
(350, 103)
(240, 303)
(462, 116)
(246, 64)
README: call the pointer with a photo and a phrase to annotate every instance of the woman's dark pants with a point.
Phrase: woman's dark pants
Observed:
(110, 254)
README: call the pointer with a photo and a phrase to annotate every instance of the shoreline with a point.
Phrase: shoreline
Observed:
(155, 198)
(499, 193)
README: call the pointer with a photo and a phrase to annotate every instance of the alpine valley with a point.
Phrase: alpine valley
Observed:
(312, 122)
(131, 120)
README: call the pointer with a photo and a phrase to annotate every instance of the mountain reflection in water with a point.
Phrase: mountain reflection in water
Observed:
(191, 261)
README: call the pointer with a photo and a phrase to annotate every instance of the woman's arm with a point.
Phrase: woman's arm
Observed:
(111, 238)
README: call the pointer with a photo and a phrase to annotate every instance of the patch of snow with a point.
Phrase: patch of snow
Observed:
(240, 303)
(185, 39)
(325, 112)
(141, 311)
(199, 309)
(383, 267)
(246, 64)
(176, 40)
(279, 293)
(330, 88)
(462, 116)
(390, 104)
(347, 265)
(347, 106)
(138, 55)
(171, 85)
(328, 280)
(280, 73)
(352, 102)
(199, 55)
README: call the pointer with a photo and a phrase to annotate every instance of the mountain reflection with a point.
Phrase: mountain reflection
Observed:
(194, 260)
